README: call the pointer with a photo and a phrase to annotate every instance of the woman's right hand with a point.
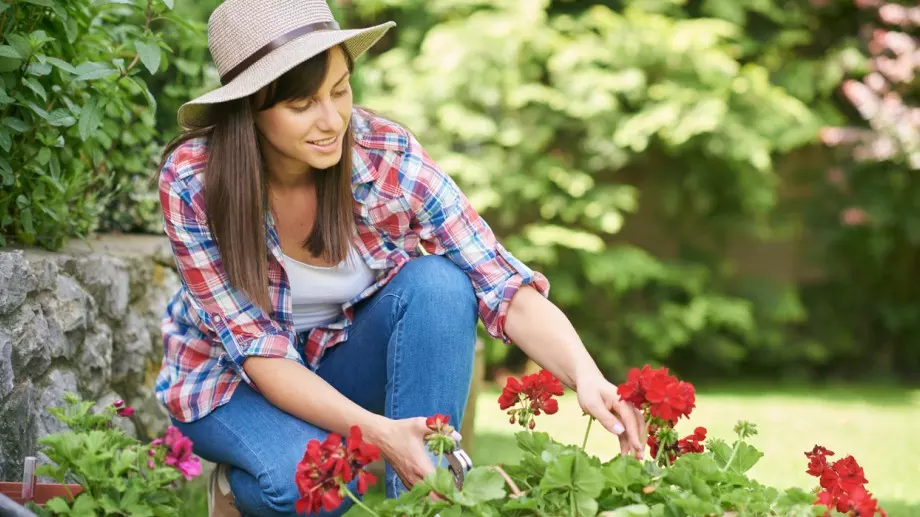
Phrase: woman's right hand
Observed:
(402, 444)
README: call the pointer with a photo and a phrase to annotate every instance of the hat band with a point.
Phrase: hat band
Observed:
(275, 43)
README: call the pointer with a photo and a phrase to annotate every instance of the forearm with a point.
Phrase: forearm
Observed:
(547, 336)
(295, 389)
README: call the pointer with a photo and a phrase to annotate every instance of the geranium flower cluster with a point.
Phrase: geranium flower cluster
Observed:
(663, 400)
(442, 438)
(179, 454)
(328, 466)
(686, 445)
(843, 484)
(530, 397)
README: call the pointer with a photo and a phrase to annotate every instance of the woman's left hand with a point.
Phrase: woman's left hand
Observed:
(599, 398)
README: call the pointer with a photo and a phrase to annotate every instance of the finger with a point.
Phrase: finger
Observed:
(643, 429)
(625, 412)
(625, 448)
(605, 417)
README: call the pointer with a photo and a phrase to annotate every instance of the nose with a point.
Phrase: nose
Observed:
(329, 119)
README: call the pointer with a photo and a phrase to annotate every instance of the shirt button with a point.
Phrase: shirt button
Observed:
(217, 318)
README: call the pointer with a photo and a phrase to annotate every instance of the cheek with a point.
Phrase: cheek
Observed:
(285, 129)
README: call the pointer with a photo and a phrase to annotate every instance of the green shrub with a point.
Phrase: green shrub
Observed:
(77, 121)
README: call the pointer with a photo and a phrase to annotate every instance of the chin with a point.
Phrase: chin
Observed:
(324, 162)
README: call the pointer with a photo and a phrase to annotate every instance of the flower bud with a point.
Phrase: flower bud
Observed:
(532, 424)
(118, 403)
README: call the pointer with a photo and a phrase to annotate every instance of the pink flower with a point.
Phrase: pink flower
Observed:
(126, 412)
(854, 216)
(180, 453)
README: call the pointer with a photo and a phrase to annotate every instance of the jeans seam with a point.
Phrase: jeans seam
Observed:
(397, 328)
(251, 451)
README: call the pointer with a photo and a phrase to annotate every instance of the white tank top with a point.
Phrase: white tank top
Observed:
(318, 293)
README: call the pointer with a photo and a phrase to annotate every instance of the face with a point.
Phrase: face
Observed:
(300, 135)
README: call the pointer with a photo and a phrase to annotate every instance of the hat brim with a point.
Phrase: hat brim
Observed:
(199, 112)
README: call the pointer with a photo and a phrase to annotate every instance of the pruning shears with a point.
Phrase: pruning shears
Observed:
(459, 464)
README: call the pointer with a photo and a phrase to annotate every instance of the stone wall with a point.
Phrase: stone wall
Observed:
(85, 320)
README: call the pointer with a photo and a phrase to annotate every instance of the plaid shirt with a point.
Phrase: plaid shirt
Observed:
(402, 200)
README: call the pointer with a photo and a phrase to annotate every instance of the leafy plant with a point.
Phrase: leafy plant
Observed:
(76, 115)
(556, 115)
(119, 475)
(557, 479)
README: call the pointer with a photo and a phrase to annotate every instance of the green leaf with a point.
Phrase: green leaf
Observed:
(442, 482)
(151, 100)
(43, 156)
(84, 506)
(61, 117)
(482, 484)
(90, 118)
(181, 21)
(585, 505)
(586, 478)
(58, 506)
(39, 69)
(5, 141)
(43, 3)
(633, 510)
(6, 172)
(169, 3)
(8, 51)
(108, 505)
(62, 65)
(36, 87)
(21, 44)
(16, 124)
(623, 471)
(90, 70)
(746, 457)
(5, 99)
(25, 217)
(559, 473)
(150, 54)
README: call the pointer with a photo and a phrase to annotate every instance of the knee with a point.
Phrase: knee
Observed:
(437, 281)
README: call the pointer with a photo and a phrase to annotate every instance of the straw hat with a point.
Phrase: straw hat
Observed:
(253, 42)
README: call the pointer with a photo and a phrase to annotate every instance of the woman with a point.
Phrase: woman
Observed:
(306, 305)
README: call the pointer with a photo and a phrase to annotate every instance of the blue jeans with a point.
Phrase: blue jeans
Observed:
(409, 353)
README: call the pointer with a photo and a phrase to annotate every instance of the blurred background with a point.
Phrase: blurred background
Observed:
(730, 188)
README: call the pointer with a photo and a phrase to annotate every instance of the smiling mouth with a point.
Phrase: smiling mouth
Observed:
(324, 142)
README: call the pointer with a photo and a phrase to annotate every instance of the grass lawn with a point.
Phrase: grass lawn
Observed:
(876, 425)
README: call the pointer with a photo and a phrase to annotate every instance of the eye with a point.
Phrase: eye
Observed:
(340, 93)
(300, 109)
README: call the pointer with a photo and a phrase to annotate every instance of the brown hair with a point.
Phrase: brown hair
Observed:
(236, 186)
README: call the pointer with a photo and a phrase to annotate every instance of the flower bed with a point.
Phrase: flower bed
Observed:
(691, 476)
(688, 476)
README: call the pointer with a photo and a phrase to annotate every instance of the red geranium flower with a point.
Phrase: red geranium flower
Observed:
(843, 484)
(328, 466)
(535, 393)
(437, 422)
(670, 399)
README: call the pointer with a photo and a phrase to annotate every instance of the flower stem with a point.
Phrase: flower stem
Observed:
(731, 458)
(357, 501)
(584, 443)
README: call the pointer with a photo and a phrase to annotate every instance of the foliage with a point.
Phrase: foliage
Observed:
(77, 114)
(553, 116)
(557, 479)
(118, 474)
(866, 211)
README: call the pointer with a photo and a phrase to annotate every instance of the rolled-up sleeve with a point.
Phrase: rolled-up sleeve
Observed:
(448, 225)
(244, 329)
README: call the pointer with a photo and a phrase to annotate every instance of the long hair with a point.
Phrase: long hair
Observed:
(236, 184)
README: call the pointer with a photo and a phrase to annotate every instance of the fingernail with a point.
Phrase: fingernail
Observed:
(618, 429)
(456, 436)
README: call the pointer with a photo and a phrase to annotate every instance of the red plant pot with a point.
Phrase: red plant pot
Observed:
(43, 491)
